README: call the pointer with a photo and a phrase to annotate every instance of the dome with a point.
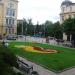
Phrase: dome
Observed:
(66, 2)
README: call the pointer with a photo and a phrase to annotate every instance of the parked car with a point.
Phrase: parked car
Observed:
(20, 36)
(11, 37)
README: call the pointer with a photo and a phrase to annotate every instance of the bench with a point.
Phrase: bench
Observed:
(24, 66)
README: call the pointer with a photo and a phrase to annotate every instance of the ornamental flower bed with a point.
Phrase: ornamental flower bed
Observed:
(44, 50)
(37, 49)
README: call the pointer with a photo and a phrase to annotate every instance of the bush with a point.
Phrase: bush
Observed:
(7, 61)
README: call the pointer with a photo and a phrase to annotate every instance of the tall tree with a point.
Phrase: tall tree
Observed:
(30, 27)
(57, 30)
(47, 27)
(69, 28)
(19, 28)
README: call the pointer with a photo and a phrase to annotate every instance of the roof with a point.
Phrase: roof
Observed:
(66, 2)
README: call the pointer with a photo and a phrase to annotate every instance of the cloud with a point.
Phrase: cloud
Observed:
(39, 10)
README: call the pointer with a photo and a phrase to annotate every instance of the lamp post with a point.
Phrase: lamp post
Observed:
(44, 30)
(34, 30)
(22, 27)
(25, 28)
(25, 32)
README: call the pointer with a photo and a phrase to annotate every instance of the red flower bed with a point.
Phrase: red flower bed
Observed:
(44, 50)
(38, 48)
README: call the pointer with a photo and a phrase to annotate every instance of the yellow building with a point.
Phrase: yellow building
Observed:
(67, 10)
(8, 16)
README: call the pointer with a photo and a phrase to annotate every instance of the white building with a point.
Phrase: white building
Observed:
(67, 10)
(8, 16)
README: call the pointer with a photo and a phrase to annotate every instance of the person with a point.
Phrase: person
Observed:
(47, 40)
(4, 44)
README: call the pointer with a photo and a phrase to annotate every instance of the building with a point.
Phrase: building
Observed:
(8, 17)
(67, 10)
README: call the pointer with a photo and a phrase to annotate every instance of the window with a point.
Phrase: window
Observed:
(6, 30)
(10, 12)
(9, 21)
(9, 30)
(63, 9)
(13, 30)
(10, 4)
(62, 17)
(13, 13)
(13, 21)
(70, 8)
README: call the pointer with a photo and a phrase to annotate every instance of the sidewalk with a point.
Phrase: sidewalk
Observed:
(43, 71)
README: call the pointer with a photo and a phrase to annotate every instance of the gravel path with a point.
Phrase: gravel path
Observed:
(43, 71)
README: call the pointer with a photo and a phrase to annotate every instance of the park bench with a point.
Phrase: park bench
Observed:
(24, 66)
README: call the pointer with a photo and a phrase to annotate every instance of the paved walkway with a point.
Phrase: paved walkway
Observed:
(43, 71)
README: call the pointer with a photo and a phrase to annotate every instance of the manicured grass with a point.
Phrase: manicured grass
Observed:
(57, 61)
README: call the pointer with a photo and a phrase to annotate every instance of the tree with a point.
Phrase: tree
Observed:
(7, 61)
(19, 28)
(57, 30)
(48, 28)
(30, 27)
(69, 28)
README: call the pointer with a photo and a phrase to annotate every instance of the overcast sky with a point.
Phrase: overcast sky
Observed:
(39, 10)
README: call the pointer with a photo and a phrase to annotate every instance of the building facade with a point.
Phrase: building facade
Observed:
(8, 17)
(67, 11)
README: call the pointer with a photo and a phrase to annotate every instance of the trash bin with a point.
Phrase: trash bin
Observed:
(34, 73)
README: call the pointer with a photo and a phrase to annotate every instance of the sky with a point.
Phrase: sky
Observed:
(40, 10)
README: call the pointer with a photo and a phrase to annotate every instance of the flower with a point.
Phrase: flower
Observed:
(36, 49)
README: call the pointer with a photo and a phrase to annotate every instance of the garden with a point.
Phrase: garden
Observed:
(54, 58)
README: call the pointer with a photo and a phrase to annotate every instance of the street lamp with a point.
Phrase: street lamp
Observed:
(22, 27)
(44, 30)
(25, 28)
(25, 32)
(34, 30)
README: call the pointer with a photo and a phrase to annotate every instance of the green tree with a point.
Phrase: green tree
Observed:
(19, 28)
(67, 26)
(7, 61)
(58, 33)
(48, 28)
(30, 27)
(69, 29)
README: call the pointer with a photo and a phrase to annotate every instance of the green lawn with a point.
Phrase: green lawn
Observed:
(56, 61)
